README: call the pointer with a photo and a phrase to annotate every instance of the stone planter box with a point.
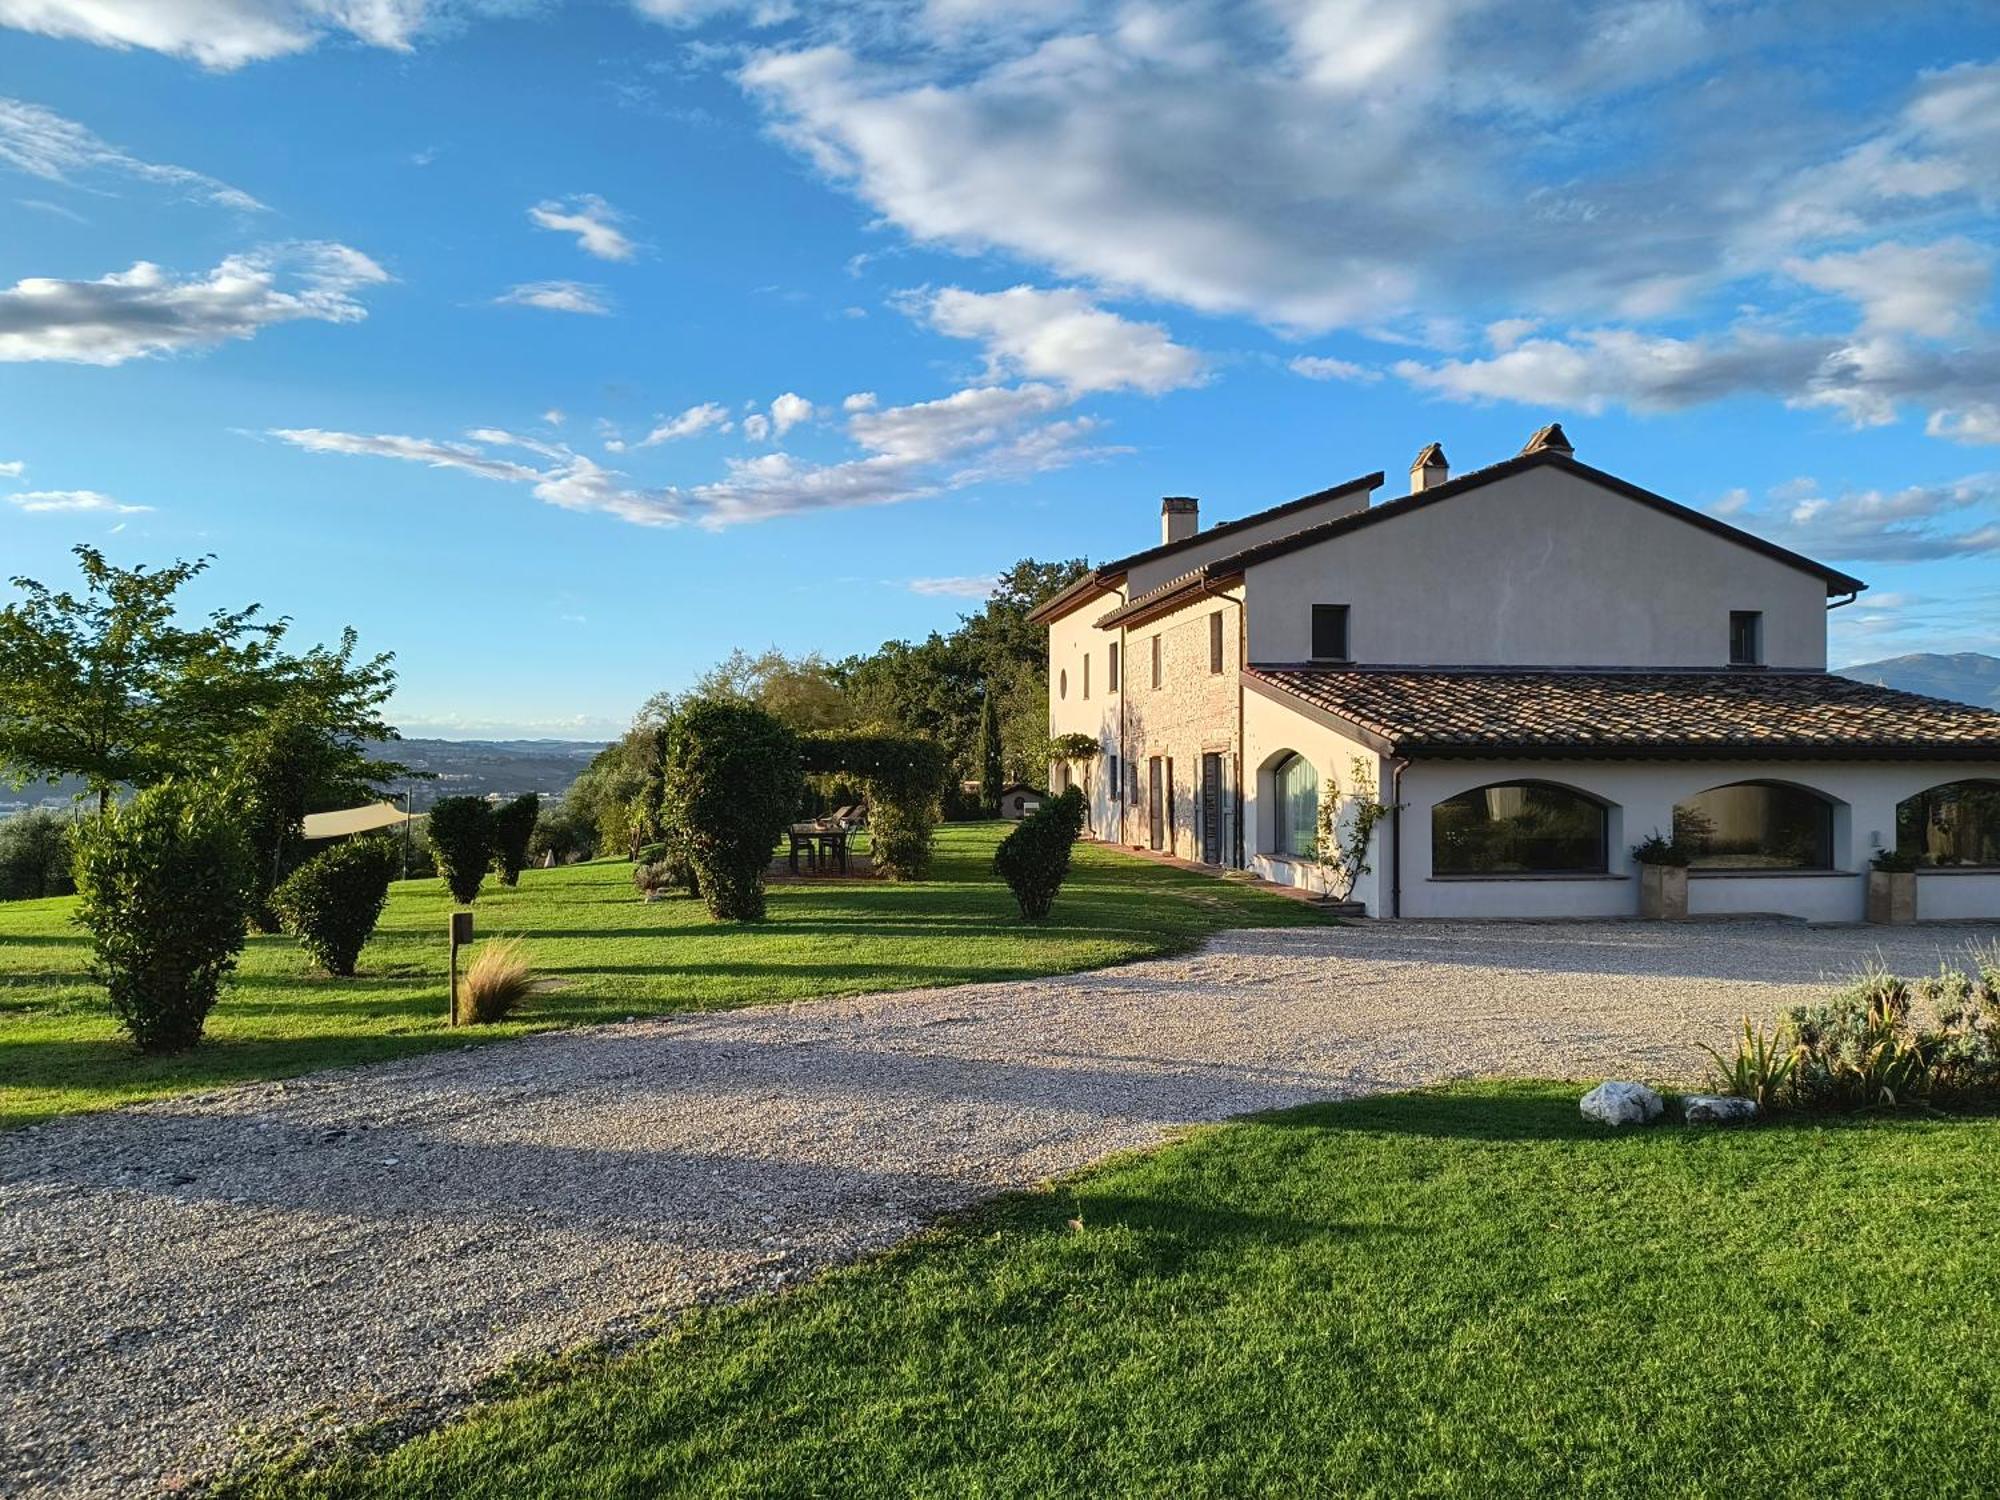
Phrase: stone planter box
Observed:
(1663, 893)
(1892, 897)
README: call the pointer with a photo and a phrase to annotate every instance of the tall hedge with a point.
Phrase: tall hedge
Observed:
(732, 787)
(164, 886)
(513, 827)
(461, 834)
(1034, 858)
(903, 778)
(332, 902)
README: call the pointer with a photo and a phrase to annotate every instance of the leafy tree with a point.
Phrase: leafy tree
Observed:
(333, 901)
(109, 685)
(803, 693)
(35, 856)
(513, 826)
(564, 832)
(163, 885)
(992, 775)
(461, 835)
(733, 784)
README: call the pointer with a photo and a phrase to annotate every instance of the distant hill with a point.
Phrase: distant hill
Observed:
(464, 768)
(1965, 676)
(476, 768)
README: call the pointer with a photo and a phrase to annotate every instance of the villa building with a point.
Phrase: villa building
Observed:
(1537, 664)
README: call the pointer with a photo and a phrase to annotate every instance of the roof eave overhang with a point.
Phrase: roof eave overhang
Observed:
(1073, 598)
(1141, 613)
(1361, 734)
(1759, 751)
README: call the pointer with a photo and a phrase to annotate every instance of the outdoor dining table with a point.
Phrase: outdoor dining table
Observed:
(821, 842)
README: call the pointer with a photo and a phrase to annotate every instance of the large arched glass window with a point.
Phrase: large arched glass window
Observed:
(1295, 797)
(1756, 825)
(1954, 824)
(1518, 827)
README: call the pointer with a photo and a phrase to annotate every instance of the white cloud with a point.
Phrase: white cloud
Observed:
(788, 411)
(979, 586)
(554, 416)
(709, 416)
(220, 33)
(1061, 335)
(1919, 523)
(73, 502)
(1319, 367)
(859, 401)
(43, 144)
(932, 431)
(1975, 423)
(557, 296)
(438, 455)
(757, 427)
(593, 221)
(1934, 291)
(14, 468)
(147, 310)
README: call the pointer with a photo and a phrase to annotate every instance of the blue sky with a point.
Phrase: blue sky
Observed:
(562, 347)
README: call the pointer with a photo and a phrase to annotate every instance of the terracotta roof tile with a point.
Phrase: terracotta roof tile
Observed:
(1555, 712)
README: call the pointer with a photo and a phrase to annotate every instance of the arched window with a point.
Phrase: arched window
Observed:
(1295, 807)
(1525, 827)
(1954, 824)
(1757, 825)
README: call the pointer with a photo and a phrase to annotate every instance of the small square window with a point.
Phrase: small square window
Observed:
(1156, 661)
(1329, 632)
(1746, 638)
(1111, 670)
(1215, 641)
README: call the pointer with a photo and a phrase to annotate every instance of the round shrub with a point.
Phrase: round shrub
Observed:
(165, 887)
(513, 826)
(732, 786)
(1034, 858)
(332, 902)
(461, 835)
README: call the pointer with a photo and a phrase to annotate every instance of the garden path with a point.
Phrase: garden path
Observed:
(182, 1279)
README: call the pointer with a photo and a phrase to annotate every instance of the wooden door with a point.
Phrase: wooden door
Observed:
(1211, 808)
(1155, 804)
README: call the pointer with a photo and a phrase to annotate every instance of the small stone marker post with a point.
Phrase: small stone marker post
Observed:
(461, 932)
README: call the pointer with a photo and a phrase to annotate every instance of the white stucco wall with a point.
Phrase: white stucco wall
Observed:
(1541, 569)
(1641, 797)
(1073, 639)
(1271, 731)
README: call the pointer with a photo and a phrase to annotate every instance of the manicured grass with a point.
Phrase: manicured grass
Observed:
(612, 955)
(1463, 1293)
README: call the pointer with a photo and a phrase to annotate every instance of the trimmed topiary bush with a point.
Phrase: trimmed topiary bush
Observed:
(513, 826)
(732, 787)
(1034, 858)
(165, 885)
(461, 835)
(332, 902)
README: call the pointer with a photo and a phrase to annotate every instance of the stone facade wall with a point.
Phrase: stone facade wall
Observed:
(1192, 712)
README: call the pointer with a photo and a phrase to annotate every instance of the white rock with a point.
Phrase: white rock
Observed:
(1622, 1104)
(1718, 1109)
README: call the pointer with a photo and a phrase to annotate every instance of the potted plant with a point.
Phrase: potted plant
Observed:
(1343, 835)
(1663, 878)
(1892, 888)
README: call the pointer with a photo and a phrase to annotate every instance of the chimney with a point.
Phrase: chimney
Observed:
(1179, 518)
(1430, 469)
(1549, 439)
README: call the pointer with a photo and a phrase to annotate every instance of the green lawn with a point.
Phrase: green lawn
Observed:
(612, 955)
(1468, 1292)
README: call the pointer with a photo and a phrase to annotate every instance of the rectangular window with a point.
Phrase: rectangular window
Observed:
(1117, 786)
(1329, 637)
(1086, 674)
(1111, 670)
(1215, 641)
(1746, 637)
(1156, 661)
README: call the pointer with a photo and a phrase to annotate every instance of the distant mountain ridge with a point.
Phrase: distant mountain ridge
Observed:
(1962, 676)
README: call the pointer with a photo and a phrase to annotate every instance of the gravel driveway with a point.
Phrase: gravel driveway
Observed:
(285, 1258)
